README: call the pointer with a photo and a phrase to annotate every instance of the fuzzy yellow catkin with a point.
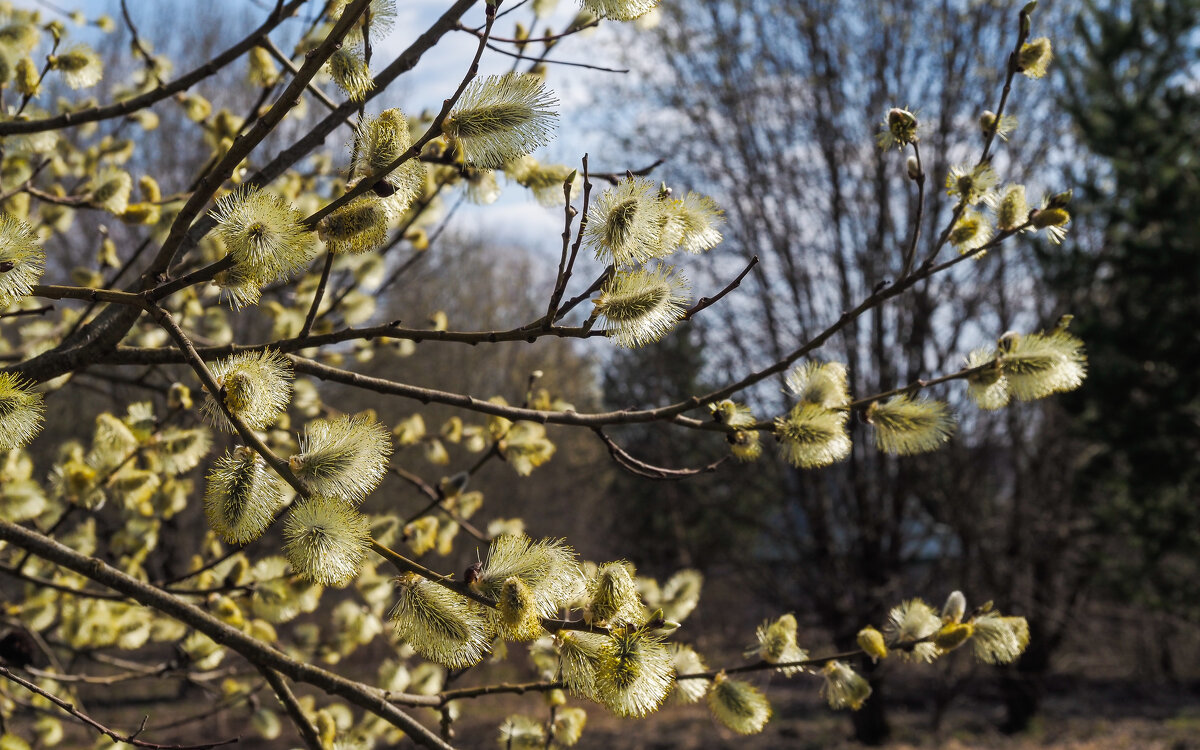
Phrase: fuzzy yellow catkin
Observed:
(80, 66)
(27, 77)
(820, 383)
(501, 118)
(1033, 59)
(811, 436)
(346, 456)
(634, 672)
(905, 425)
(625, 224)
(641, 306)
(22, 261)
(844, 688)
(952, 635)
(612, 596)
(777, 643)
(439, 624)
(326, 540)
(620, 10)
(519, 619)
(738, 705)
(357, 227)
(242, 496)
(871, 641)
(256, 387)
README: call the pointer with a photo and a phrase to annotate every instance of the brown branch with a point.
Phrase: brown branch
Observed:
(307, 731)
(504, 687)
(911, 253)
(414, 151)
(138, 47)
(33, 311)
(568, 63)
(313, 89)
(649, 471)
(257, 653)
(564, 272)
(101, 728)
(706, 302)
(243, 146)
(311, 317)
(95, 114)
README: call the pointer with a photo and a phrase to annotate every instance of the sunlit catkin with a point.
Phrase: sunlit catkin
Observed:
(79, 66)
(908, 628)
(579, 656)
(357, 227)
(326, 540)
(20, 412)
(613, 596)
(439, 624)
(625, 224)
(738, 705)
(819, 383)
(844, 688)
(346, 456)
(691, 224)
(777, 644)
(971, 232)
(22, 261)
(501, 118)
(265, 236)
(899, 129)
(634, 672)
(110, 190)
(905, 426)
(1033, 59)
(1011, 207)
(871, 642)
(348, 68)
(242, 496)
(520, 732)
(179, 450)
(998, 639)
(517, 607)
(1039, 364)
(811, 436)
(685, 660)
(546, 567)
(569, 722)
(620, 10)
(255, 386)
(638, 307)
(381, 140)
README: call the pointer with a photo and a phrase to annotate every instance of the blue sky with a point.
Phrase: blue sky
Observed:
(516, 218)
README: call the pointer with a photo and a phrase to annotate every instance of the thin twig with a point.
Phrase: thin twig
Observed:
(101, 728)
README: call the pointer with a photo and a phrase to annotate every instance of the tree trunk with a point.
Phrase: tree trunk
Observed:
(870, 722)
(1023, 687)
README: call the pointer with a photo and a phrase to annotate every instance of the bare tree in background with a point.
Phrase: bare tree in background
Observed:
(771, 106)
(262, 264)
